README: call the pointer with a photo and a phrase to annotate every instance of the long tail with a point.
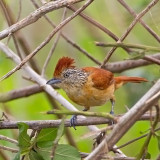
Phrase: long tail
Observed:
(119, 81)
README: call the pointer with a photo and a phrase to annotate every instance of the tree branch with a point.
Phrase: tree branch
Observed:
(41, 81)
(115, 67)
(68, 40)
(9, 149)
(121, 66)
(39, 124)
(128, 30)
(8, 139)
(129, 119)
(133, 13)
(67, 20)
(34, 16)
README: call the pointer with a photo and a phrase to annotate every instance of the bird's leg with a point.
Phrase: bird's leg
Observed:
(112, 108)
(73, 120)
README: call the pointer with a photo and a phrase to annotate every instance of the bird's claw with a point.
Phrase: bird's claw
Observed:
(112, 112)
(73, 121)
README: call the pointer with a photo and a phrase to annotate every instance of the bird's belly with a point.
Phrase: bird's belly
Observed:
(89, 96)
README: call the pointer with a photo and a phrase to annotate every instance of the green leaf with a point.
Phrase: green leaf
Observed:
(45, 153)
(35, 156)
(17, 157)
(23, 139)
(46, 137)
(147, 156)
(66, 152)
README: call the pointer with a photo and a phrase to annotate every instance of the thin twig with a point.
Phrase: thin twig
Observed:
(34, 16)
(53, 47)
(7, 16)
(144, 148)
(90, 114)
(136, 139)
(95, 23)
(128, 120)
(107, 157)
(152, 59)
(9, 149)
(129, 29)
(47, 39)
(68, 40)
(136, 46)
(19, 10)
(8, 139)
(21, 39)
(121, 66)
(132, 12)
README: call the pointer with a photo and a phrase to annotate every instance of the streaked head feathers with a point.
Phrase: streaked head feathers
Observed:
(63, 63)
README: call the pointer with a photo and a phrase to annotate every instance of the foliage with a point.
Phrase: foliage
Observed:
(39, 147)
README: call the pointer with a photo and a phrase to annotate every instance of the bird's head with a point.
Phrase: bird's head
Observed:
(67, 75)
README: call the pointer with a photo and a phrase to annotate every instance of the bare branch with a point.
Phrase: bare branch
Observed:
(41, 81)
(115, 67)
(132, 12)
(121, 66)
(9, 149)
(128, 30)
(39, 124)
(53, 47)
(53, 123)
(8, 19)
(21, 38)
(34, 16)
(106, 157)
(128, 119)
(140, 53)
(97, 24)
(8, 139)
(123, 45)
(20, 93)
(47, 39)
(68, 40)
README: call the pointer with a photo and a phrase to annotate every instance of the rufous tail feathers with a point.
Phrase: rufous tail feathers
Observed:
(121, 80)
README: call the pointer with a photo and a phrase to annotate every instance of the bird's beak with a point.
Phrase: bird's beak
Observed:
(53, 81)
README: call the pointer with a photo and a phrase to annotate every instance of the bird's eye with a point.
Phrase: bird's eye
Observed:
(66, 75)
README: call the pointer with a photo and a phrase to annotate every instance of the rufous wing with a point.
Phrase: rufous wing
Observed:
(101, 78)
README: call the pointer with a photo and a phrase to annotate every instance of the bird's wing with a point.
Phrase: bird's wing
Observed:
(100, 78)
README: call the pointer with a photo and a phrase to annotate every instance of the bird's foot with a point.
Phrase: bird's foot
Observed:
(73, 121)
(112, 112)
(99, 139)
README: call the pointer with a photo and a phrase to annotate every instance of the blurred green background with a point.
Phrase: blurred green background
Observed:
(113, 16)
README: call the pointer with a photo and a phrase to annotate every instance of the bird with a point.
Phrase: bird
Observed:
(88, 86)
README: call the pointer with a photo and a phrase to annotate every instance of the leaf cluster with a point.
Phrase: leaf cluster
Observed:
(40, 146)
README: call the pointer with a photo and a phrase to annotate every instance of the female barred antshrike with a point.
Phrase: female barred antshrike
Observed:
(88, 86)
